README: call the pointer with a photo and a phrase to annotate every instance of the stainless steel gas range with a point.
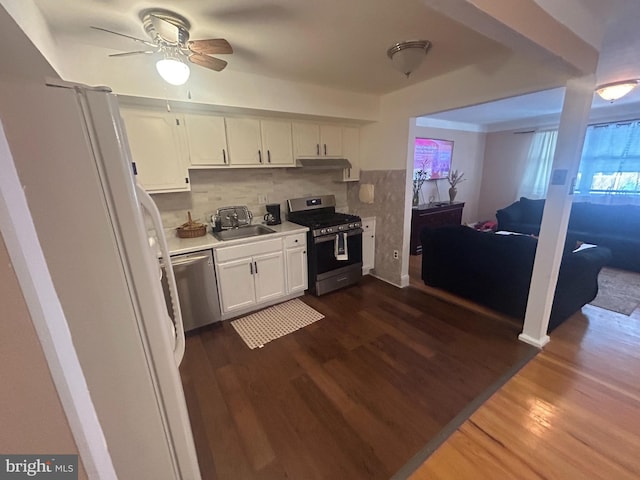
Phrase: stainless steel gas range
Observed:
(334, 242)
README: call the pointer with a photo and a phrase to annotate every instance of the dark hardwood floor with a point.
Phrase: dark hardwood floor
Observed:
(352, 396)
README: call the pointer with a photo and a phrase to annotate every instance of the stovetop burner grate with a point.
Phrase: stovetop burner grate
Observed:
(318, 220)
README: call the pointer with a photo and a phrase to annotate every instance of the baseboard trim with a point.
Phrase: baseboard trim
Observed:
(385, 280)
(536, 342)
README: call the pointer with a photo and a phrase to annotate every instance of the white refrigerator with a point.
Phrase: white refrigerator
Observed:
(71, 154)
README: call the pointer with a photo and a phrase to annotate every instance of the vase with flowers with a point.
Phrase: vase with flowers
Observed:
(419, 177)
(454, 178)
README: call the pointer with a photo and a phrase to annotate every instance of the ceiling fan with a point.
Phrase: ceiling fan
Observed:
(169, 36)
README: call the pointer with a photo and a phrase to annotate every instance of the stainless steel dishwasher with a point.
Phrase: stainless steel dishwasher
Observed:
(197, 291)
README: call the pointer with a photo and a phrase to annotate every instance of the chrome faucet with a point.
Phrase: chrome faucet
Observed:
(233, 220)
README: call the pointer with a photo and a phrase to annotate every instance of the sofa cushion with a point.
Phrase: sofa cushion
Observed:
(532, 210)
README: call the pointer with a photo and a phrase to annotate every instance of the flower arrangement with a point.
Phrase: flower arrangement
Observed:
(419, 177)
(454, 178)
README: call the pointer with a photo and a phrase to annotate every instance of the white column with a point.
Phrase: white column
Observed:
(553, 230)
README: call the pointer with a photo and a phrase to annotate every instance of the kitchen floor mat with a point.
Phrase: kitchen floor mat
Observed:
(274, 322)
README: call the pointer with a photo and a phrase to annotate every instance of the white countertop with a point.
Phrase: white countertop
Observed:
(187, 245)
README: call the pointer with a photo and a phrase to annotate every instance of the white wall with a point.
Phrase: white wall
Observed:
(505, 160)
(31, 416)
(385, 142)
(137, 76)
(468, 156)
(385, 145)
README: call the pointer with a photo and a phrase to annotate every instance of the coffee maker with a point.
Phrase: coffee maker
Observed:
(272, 216)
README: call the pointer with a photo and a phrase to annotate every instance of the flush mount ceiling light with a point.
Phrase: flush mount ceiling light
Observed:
(173, 71)
(406, 56)
(614, 91)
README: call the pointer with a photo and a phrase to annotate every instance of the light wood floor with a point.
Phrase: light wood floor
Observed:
(572, 413)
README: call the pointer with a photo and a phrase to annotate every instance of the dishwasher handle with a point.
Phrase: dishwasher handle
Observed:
(184, 262)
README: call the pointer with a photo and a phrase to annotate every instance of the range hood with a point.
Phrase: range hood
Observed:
(323, 163)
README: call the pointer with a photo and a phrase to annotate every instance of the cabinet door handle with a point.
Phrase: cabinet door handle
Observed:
(269, 156)
(256, 267)
(251, 268)
(317, 149)
(260, 156)
(325, 148)
(224, 156)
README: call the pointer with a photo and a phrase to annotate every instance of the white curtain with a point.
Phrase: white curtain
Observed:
(539, 162)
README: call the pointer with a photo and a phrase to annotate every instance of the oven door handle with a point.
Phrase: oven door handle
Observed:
(332, 236)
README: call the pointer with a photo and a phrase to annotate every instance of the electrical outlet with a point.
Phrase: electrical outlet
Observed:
(396, 254)
(262, 199)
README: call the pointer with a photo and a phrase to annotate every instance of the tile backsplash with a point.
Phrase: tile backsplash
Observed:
(212, 189)
(388, 208)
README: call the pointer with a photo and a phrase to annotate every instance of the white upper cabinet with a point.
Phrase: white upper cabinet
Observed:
(276, 142)
(314, 140)
(259, 142)
(207, 140)
(330, 141)
(245, 143)
(166, 145)
(306, 139)
(158, 147)
(351, 151)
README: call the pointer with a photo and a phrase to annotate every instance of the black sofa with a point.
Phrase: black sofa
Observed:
(495, 270)
(616, 227)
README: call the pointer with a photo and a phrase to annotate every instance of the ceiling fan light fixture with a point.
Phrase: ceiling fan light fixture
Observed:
(408, 55)
(173, 71)
(614, 91)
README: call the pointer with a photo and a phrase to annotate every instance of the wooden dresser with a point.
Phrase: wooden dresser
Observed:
(432, 215)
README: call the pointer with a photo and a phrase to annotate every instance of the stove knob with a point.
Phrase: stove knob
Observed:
(358, 225)
(351, 225)
(341, 227)
(323, 231)
(330, 230)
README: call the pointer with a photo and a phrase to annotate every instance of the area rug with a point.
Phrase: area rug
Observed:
(275, 322)
(618, 291)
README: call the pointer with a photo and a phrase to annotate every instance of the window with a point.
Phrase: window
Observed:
(610, 164)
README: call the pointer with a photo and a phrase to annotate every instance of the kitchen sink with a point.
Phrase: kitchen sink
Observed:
(243, 232)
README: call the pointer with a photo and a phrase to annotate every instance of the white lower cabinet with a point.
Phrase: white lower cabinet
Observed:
(253, 275)
(368, 244)
(268, 272)
(296, 262)
(236, 285)
(250, 274)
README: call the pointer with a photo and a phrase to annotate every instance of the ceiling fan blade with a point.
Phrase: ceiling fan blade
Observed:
(167, 30)
(126, 54)
(207, 62)
(210, 46)
(124, 35)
